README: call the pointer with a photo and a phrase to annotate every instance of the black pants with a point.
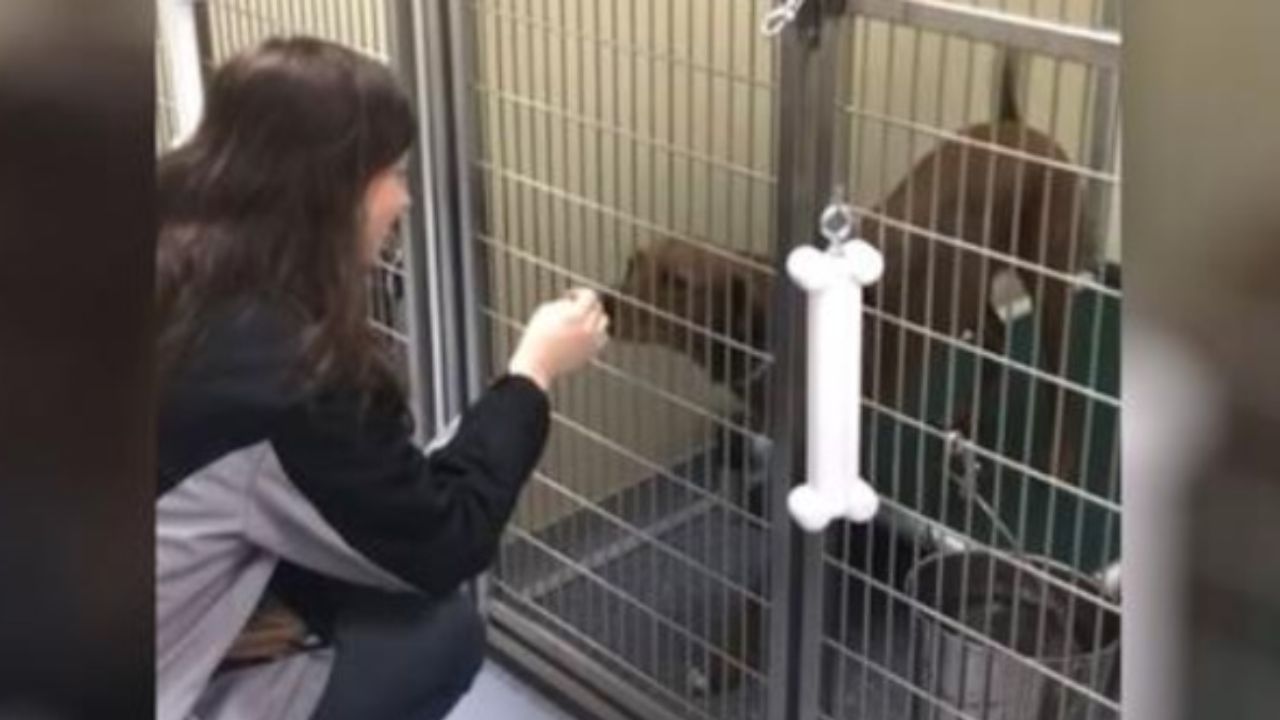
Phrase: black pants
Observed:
(401, 657)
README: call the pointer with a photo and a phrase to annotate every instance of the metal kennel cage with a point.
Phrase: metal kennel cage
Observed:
(652, 557)
(641, 555)
(1016, 618)
(652, 570)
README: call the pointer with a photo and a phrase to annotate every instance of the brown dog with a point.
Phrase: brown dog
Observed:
(976, 206)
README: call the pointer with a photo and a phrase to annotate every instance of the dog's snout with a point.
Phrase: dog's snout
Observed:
(609, 303)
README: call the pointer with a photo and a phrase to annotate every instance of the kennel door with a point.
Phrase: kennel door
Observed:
(977, 141)
(627, 146)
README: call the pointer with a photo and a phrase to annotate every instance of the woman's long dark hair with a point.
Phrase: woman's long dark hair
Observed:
(265, 201)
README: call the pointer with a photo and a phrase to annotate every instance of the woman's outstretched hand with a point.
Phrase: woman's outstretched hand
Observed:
(562, 336)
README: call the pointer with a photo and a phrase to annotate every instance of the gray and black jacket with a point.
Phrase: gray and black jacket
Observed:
(255, 474)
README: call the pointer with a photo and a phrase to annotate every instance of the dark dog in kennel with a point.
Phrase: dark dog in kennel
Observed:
(997, 202)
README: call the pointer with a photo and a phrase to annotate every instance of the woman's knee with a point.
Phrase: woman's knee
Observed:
(444, 638)
(403, 656)
(464, 633)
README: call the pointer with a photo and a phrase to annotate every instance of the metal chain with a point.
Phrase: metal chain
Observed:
(967, 479)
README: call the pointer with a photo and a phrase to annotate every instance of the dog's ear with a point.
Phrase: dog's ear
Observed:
(673, 278)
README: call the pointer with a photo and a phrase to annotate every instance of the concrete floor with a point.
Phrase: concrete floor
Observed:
(497, 695)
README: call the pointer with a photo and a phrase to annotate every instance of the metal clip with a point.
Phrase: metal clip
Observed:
(780, 17)
(838, 225)
(958, 446)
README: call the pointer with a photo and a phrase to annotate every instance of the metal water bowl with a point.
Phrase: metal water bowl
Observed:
(1022, 635)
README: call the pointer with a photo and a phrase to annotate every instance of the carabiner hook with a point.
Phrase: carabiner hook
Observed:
(780, 17)
(837, 224)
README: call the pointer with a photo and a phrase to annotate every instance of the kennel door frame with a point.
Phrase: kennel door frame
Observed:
(422, 53)
(538, 649)
(833, 41)
(806, 133)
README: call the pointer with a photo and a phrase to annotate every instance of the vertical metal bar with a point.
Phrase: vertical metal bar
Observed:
(840, 28)
(736, 480)
(1023, 79)
(600, 185)
(420, 230)
(669, 371)
(248, 23)
(587, 60)
(690, 654)
(206, 39)
(562, 467)
(518, 165)
(327, 19)
(709, 659)
(1047, 175)
(857, 98)
(368, 26)
(289, 16)
(226, 21)
(895, 326)
(450, 28)
(618, 56)
(466, 253)
(845, 25)
(1085, 462)
(655, 644)
(918, 377)
(961, 211)
(296, 15)
(575, 458)
(1077, 229)
(957, 258)
(378, 18)
(309, 17)
(496, 216)
(540, 134)
(244, 26)
(314, 14)
(359, 30)
(420, 45)
(810, 56)
(556, 128)
(531, 143)
(774, 625)
(1086, 454)
(260, 21)
(282, 23)
(181, 48)
(1103, 136)
(595, 464)
(1110, 530)
(346, 21)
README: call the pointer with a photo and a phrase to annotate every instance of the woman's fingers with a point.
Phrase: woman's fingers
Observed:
(584, 299)
(599, 326)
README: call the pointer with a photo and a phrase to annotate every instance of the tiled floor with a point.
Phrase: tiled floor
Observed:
(498, 695)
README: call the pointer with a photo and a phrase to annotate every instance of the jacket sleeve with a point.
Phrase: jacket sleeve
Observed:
(431, 521)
